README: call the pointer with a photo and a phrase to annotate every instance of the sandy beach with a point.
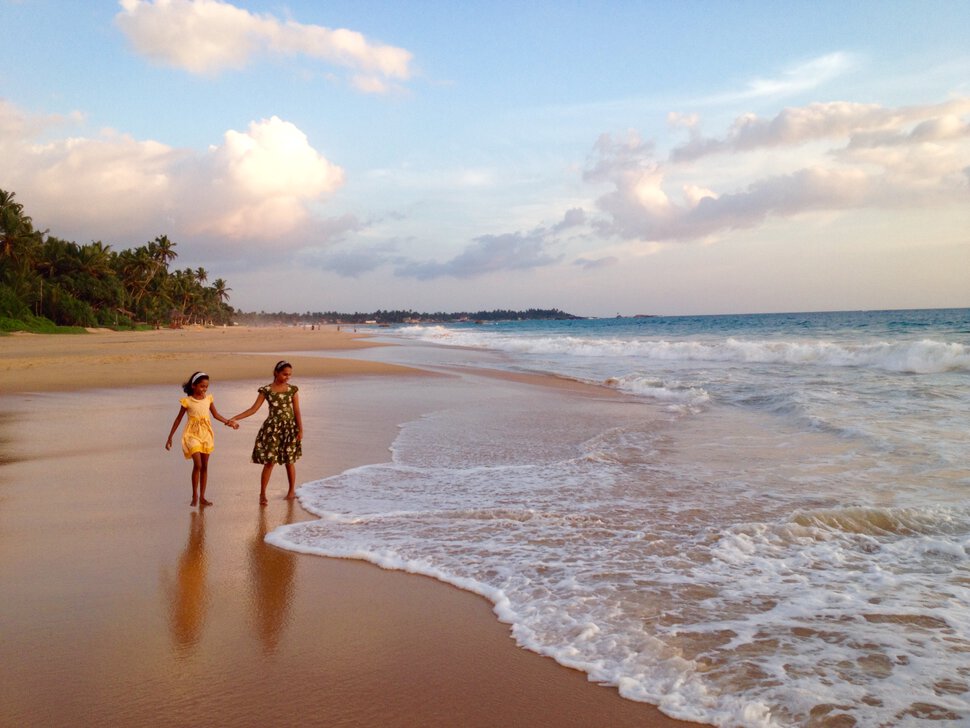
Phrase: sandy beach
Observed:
(124, 606)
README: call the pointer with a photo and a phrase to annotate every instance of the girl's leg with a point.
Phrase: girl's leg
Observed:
(264, 481)
(196, 476)
(291, 478)
(203, 477)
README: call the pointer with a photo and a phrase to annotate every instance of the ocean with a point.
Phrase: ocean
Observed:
(763, 521)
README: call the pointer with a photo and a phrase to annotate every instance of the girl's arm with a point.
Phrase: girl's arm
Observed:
(299, 418)
(252, 410)
(223, 420)
(175, 426)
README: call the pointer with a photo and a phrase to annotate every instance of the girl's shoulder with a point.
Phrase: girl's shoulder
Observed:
(294, 389)
(265, 389)
(184, 401)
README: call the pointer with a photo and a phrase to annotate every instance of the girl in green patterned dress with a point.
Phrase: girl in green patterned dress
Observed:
(280, 438)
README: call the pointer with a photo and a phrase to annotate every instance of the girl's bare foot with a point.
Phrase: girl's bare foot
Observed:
(205, 502)
(194, 503)
(262, 500)
(290, 496)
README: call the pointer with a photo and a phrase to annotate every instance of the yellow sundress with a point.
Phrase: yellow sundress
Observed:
(197, 436)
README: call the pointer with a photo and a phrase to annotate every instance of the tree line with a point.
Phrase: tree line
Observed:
(400, 317)
(46, 281)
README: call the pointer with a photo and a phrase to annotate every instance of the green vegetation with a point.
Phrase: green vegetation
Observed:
(49, 285)
(401, 317)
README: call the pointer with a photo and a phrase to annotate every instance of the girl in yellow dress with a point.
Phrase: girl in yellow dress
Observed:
(197, 438)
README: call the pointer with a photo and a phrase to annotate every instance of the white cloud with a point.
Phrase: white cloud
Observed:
(803, 76)
(822, 157)
(859, 123)
(799, 78)
(74, 181)
(259, 182)
(259, 185)
(210, 36)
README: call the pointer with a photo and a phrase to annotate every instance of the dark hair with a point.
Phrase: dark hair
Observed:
(281, 365)
(190, 383)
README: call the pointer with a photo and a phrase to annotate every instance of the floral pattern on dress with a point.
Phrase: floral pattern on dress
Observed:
(277, 439)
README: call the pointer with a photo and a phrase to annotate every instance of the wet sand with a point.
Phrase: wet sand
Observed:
(124, 606)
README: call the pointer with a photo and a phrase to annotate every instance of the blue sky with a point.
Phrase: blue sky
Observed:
(616, 157)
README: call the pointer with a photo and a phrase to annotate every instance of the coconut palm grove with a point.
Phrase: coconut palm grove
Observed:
(46, 282)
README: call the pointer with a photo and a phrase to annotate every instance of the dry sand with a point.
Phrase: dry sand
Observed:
(123, 606)
(31, 362)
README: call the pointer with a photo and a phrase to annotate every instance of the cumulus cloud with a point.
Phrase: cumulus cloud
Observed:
(488, 254)
(258, 185)
(862, 156)
(210, 36)
(74, 180)
(259, 182)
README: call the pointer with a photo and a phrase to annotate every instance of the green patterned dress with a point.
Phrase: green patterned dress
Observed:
(276, 441)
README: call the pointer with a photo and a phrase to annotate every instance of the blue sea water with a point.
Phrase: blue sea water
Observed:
(765, 523)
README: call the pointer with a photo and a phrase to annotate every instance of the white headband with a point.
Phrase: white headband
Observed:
(197, 377)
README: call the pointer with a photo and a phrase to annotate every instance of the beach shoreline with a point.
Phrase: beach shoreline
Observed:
(127, 606)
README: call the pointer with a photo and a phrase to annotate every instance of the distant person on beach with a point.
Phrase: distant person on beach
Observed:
(197, 438)
(280, 438)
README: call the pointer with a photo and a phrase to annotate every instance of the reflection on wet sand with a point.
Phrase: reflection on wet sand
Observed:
(188, 594)
(271, 592)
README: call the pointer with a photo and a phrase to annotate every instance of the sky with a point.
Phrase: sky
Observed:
(616, 157)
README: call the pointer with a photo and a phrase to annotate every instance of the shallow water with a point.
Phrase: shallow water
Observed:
(768, 527)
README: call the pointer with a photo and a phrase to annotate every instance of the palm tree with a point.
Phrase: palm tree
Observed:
(163, 250)
(221, 290)
(19, 241)
(131, 268)
(88, 284)
(184, 291)
(95, 278)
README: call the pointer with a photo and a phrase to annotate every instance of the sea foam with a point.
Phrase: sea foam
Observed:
(918, 357)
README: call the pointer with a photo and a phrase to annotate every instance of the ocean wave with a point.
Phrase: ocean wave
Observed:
(911, 357)
(675, 394)
(873, 521)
